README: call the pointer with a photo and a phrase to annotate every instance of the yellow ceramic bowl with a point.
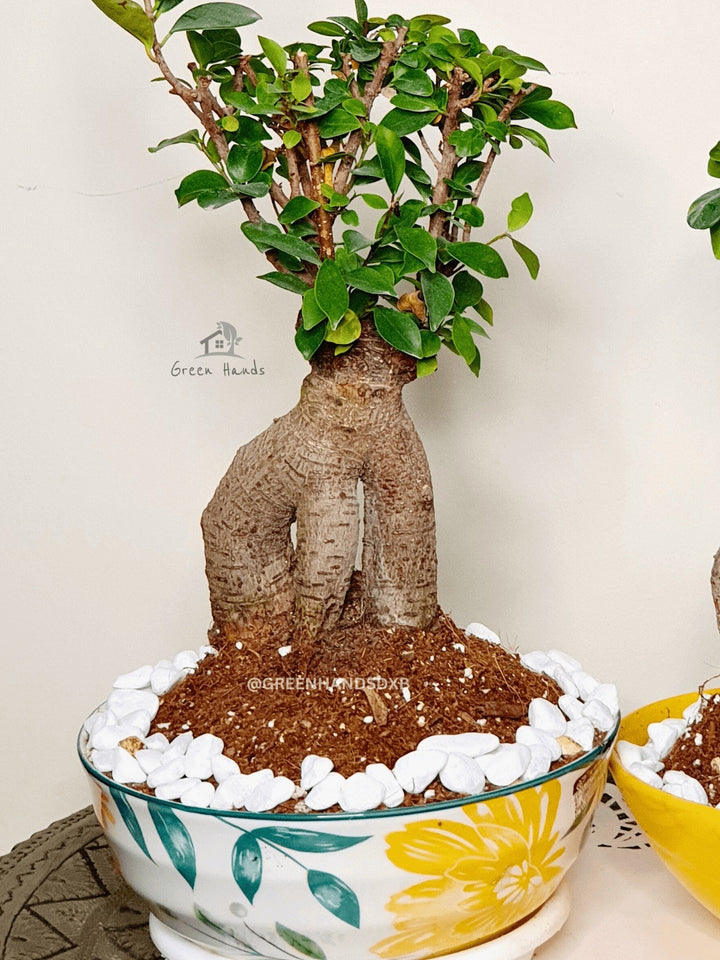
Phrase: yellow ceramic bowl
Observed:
(686, 835)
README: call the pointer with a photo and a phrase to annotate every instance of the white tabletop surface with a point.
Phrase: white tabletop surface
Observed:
(625, 904)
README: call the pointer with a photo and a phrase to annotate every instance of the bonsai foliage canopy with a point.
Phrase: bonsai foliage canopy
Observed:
(704, 213)
(368, 216)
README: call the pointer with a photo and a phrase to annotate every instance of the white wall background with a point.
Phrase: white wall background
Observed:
(576, 482)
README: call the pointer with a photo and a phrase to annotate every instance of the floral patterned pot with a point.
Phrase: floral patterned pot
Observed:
(401, 884)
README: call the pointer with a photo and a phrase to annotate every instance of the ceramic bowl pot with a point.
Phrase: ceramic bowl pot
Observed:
(400, 884)
(686, 835)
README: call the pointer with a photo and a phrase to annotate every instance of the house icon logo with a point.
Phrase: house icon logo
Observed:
(221, 342)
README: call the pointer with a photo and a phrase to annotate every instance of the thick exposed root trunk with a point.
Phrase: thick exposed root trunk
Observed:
(349, 425)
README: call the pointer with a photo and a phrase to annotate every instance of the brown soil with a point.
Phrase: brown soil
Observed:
(697, 752)
(454, 683)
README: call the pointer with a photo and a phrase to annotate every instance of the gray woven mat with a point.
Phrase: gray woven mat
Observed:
(61, 898)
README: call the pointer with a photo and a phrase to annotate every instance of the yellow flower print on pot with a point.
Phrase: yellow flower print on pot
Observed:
(484, 875)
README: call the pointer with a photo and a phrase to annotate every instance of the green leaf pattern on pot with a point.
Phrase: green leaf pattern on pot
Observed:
(335, 895)
(129, 819)
(247, 865)
(300, 942)
(307, 841)
(177, 841)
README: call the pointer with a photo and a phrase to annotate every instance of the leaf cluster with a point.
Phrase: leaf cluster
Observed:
(290, 126)
(704, 213)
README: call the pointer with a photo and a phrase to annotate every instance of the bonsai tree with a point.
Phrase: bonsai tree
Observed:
(368, 217)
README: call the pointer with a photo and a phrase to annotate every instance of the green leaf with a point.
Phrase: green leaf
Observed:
(331, 292)
(399, 330)
(275, 54)
(521, 210)
(164, 6)
(215, 16)
(479, 257)
(300, 942)
(361, 11)
(291, 138)
(532, 136)
(550, 113)
(350, 218)
(311, 312)
(192, 136)
(308, 342)
(354, 241)
(286, 281)
(130, 819)
(415, 82)
(131, 17)
(715, 240)
(266, 236)
(403, 122)
(470, 214)
(431, 343)
(714, 161)
(419, 243)
(426, 366)
(371, 280)
(337, 123)
(346, 332)
(705, 211)
(392, 157)
(335, 895)
(468, 290)
(177, 841)
(297, 208)
(326, 29)
(518, 58)
(301, 88)
(473, 69)
(463, 342)
(528, 257)
(485, 311)
(198, 184)
(438, 294)
(246, 864)
(406, 101)
(375, 201)
(245, 162)
(250, 131)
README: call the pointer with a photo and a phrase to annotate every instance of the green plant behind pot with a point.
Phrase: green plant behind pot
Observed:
(704, 213)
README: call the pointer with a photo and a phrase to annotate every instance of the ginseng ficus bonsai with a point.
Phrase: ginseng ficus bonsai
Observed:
(366, 207)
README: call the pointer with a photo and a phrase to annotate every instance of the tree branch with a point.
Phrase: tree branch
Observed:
(428, 150)
(504, 115)
(449, 159)
(311, 137)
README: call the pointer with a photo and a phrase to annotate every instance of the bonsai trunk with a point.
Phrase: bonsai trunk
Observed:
(349, 426)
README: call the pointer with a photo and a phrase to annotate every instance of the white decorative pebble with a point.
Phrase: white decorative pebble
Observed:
(393, 793)
(470, 744)
(585, 683)
(313, 769)
(150, 759)
(126, 769)
(565, 681)
(135, 680)
(233, 792)
(645, 774)
(582, 732)
(224, 767)
(506, 764)
(200, 795)
(110, 736)
(461, 774)
(679, 784)
(270, 793)
(167, 772)
(570, 706)
(103, 760)
(482, 632)
(565, 660)
(599, 715)
(200, 753)
(164, 679)
(546, 716)
(326, 793)
(536, 660)
(158, 741)
(360, 792)
(179, 745)
(185, 660)
(416, 770)
(540, 762)
(530, 737)
(122, 702)
(628, 753)
(607, 693)
(140, 719)
(175, 789)
(692, 712)
(664, 735)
